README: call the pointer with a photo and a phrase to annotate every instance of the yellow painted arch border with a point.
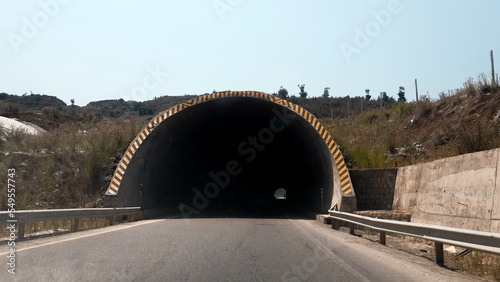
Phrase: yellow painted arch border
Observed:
(345, 180)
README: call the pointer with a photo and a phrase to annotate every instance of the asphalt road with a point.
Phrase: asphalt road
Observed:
(216, 249)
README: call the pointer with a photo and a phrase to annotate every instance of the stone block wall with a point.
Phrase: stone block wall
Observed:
(374, 188)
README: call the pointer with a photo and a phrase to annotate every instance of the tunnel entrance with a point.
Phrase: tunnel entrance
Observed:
(227, 156)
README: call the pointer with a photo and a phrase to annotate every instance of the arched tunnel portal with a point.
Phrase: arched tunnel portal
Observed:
(230, 151)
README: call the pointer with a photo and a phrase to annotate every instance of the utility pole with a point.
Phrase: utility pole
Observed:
(416, 92)
(492, 69)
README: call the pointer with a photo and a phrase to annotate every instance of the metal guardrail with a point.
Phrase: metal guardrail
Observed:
(470, 239)
(24, 216)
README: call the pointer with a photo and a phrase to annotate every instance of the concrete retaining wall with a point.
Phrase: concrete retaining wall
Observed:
(374, 188)
(462, 191)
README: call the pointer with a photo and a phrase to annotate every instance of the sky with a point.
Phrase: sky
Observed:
(137, 50)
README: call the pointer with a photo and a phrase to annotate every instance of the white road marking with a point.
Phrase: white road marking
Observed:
(336, 259)
(81, 237)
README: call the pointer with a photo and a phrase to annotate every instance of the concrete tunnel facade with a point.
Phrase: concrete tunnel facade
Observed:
(232, 150)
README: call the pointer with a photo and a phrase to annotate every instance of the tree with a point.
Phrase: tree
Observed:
(145, 110)
(326, 93)
(72, 102)
(401, 94)
(294, 99)
(302, 93)
(283, 93)
(384, 96)
(368, 96)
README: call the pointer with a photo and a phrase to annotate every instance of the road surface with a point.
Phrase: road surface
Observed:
(216, 249)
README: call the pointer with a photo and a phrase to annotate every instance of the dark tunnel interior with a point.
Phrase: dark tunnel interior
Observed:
(228, 157)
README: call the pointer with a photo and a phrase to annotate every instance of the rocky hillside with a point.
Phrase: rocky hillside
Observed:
(72, 163)
(462, 121)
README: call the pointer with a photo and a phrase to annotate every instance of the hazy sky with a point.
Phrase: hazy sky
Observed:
(136, 50)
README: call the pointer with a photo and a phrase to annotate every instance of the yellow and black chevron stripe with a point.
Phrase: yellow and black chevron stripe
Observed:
(134, 146)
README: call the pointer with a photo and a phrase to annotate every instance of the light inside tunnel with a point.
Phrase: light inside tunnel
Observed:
(230, 155)
(280, 194)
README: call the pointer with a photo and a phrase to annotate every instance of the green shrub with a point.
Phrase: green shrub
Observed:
(405, 109)
(363, 158)
(371, 118)
(50, 111)
(12, 109)
(145, 110)
(390, 143)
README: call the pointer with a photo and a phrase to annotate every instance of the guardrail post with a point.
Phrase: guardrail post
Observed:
(382, 237)
(351, 228)
(111, 220)
(335, 224)
(439, 253)
(75, 224)
(20, 234)
(487, 242)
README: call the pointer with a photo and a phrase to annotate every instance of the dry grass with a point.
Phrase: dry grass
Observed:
(463, 120)
(475, 263)
(478, 136)
(65, 167)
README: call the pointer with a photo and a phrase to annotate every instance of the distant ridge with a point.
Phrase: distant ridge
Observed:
(33, 101)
